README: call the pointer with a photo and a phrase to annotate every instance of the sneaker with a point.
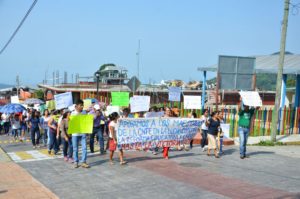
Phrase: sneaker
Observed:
(85, 165)
(71, 160)
(242, 157)
(34, 147)
(123, 163)
(49, 152)
(66, 158)
(76, 165)
(154, 153)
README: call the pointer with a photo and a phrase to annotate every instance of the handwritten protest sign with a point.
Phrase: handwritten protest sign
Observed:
(225, 128)
(63, 100)
(139, 103)
(120, 98)
(87, 104)
(14, 99)
(81, 124)
(154, 114)
(111, 109)
(251, 98)
(155, 132)
(50, 105)
(192, 102)
(174, 94)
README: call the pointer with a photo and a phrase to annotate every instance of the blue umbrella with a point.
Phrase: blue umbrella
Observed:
(33, 101)
(12, 108)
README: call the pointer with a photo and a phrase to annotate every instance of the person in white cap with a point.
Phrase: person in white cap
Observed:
(98, 129)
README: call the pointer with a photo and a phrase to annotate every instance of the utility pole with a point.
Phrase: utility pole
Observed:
(18, 85)
(280, 70)
(138, 60)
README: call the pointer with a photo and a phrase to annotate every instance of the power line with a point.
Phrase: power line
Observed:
(19, 26)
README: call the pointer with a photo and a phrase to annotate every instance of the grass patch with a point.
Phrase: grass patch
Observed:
(269, 143)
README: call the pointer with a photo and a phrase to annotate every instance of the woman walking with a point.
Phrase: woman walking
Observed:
(66, 138)
(52, 124)
(44, 122)
(113, 139)
(204, 129)
(35, 125)
(213, 124)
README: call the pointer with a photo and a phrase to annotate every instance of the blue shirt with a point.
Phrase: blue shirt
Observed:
(34, 122)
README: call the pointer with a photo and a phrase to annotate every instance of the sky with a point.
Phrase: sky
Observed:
(176, 37)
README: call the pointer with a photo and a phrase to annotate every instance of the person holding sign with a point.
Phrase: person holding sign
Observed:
(113, 138)
(245, 116)
(77, 137)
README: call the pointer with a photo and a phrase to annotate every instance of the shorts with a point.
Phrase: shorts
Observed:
(112, 145)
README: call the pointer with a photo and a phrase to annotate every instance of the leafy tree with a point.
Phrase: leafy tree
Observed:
(39, 94)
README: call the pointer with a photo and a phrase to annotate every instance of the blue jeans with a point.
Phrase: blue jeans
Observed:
(97, 131)
(75, 142)
(204, 137)
(67, 147)
(16, 132)
(243, 135)
(45, 136)
(48, 135)
(52, 142)
(35, 133)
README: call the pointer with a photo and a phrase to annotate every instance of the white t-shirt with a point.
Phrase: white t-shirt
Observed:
(203, 126)
(15, 124)
(113, 124)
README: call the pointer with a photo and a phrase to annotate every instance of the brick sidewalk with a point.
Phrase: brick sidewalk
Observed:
(15, 182)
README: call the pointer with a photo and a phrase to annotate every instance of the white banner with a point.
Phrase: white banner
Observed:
(139, 103)
(156, 132)
(251, 98)
(63, 100)
(192, 102)
(111, 109)
(14, 99)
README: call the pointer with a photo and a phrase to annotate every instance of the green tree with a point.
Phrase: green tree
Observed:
(39, 94)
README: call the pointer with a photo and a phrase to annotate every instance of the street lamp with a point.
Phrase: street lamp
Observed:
(97, 74)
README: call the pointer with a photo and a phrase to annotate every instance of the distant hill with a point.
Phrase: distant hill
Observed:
(5, 86)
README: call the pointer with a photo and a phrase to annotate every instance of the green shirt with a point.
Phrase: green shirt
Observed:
(245, 118)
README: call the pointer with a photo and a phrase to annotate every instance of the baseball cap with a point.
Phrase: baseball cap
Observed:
(97, 107)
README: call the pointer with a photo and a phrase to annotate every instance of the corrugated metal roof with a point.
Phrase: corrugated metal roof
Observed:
(269, 64)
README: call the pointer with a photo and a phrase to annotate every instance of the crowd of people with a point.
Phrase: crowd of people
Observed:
(50, 129)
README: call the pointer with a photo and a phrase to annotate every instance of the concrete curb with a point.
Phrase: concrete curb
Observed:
(3, 156)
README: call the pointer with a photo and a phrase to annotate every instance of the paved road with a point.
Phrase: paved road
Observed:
(270, 172)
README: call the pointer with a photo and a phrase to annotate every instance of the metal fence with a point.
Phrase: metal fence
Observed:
(289, 119)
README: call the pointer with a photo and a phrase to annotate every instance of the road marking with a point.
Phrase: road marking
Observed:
(32, 155)
(24, 155)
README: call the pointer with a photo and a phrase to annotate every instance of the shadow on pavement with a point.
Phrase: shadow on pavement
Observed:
(3, 191)
(290, 196)
(229, 151)
(260, 152)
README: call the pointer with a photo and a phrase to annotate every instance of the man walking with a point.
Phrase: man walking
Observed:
(77, 137)
(245, 116)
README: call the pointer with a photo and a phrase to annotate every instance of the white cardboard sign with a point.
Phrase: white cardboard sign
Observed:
(251, 98)
(63, 100)
(139, 103)
(192, 102)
